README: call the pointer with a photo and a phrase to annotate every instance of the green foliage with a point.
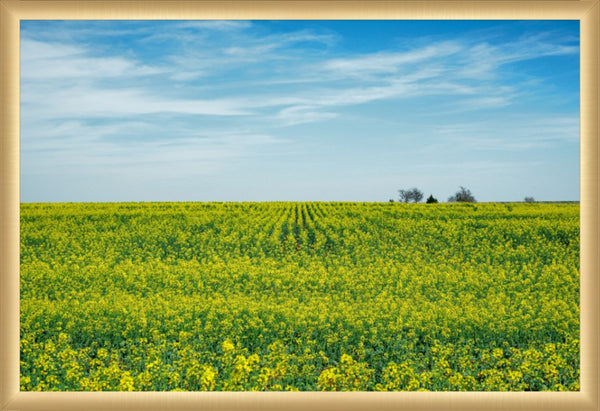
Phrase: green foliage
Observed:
(299, 296)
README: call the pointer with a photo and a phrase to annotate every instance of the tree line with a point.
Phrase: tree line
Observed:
(463, 195)
(414, 195)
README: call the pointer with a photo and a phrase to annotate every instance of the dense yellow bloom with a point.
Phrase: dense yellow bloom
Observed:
(299, 296)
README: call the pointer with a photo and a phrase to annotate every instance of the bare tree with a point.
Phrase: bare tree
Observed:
(463, 195)
(417, 195)
(404, 196)
(414, 194)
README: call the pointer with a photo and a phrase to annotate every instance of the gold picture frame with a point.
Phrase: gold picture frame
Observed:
(13, 11)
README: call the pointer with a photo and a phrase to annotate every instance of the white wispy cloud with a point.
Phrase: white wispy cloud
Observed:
(90, 102)
(300, 114)
(517, 134)
(43, 61)
(388, 62)
(98, 146)
(218, 25)
(204, 57)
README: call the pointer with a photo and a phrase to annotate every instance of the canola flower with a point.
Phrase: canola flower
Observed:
(299, 296)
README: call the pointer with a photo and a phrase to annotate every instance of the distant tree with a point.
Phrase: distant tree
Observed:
(529, 200)
(414, 194)
(404, 196)
(417, 195)
(431, 199)
(463, 195)
(391, 200)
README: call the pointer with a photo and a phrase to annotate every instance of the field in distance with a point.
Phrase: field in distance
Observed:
(299, 296)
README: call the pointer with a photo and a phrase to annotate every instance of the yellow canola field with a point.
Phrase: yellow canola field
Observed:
(299, 296)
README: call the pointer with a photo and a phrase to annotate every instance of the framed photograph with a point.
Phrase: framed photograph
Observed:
(328, 205)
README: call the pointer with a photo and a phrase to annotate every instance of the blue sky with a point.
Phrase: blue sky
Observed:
(298, 110)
